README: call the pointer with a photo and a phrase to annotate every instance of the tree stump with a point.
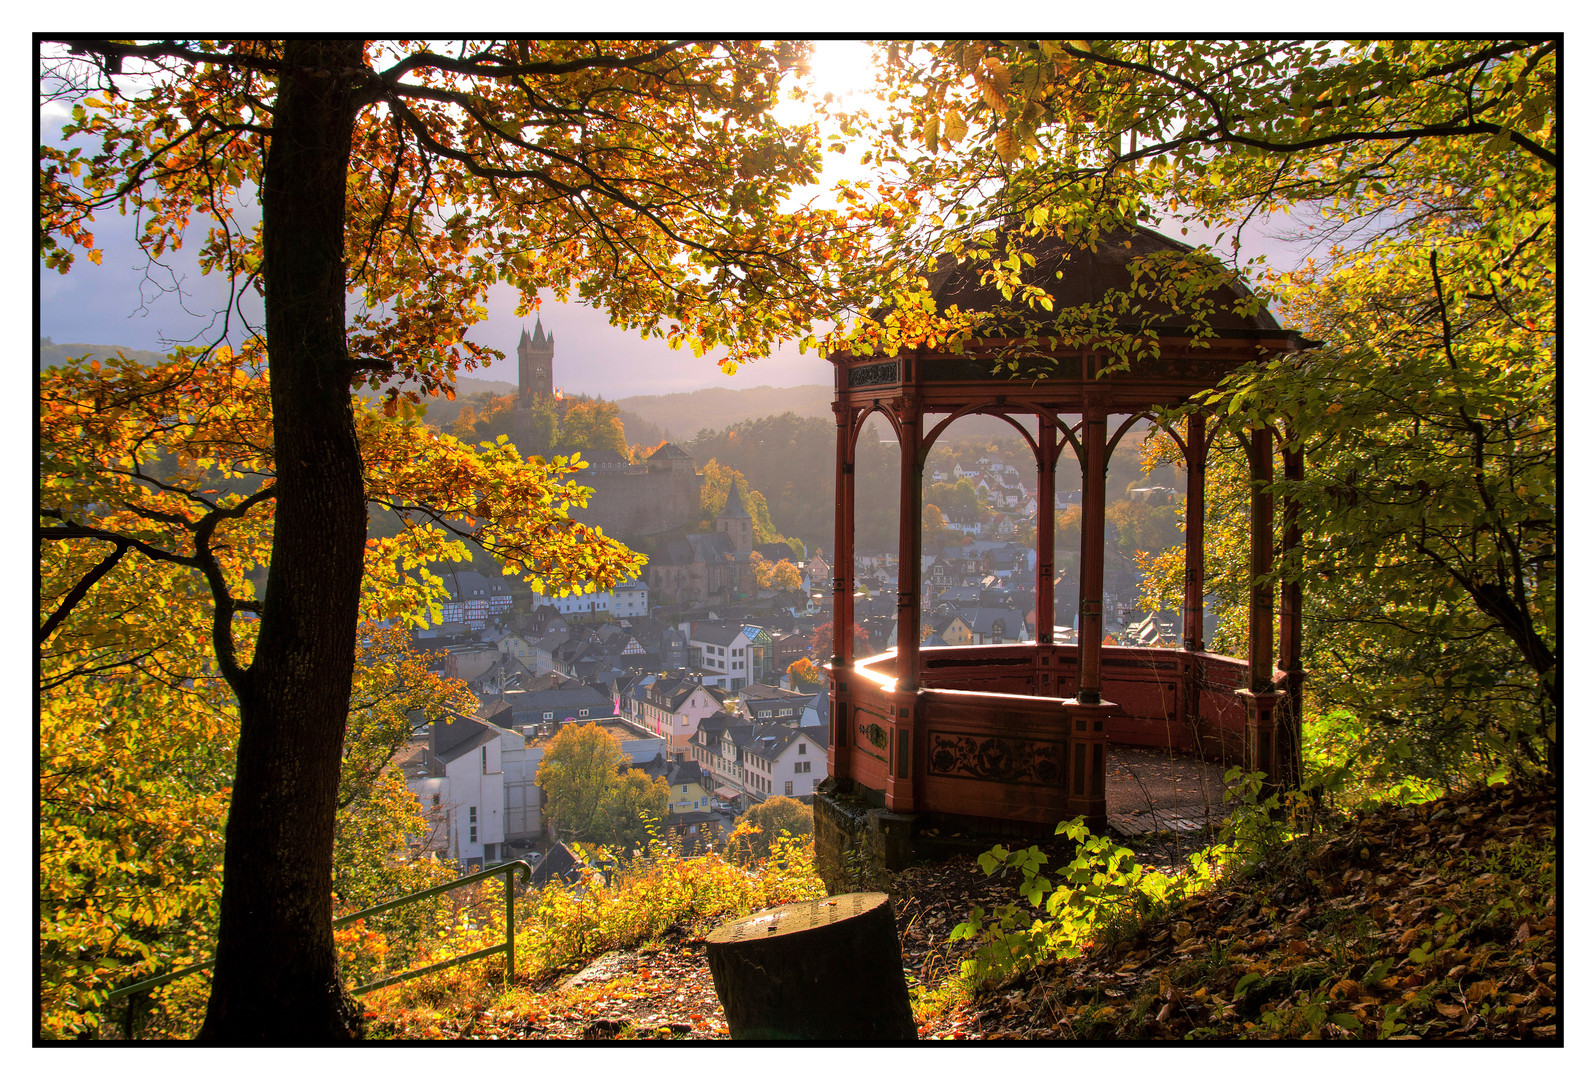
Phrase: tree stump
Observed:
(820, 970)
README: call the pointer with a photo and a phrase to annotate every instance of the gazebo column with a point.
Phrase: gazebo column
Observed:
(1192, 595)
(901, 755)
(1260, 751)
(1094, 476)
(1086, 716)
(1191, 612)
(1291, 619)
(842, 598)
(1046, 467)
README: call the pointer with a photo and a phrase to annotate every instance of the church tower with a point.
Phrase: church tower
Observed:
(535, 364)
(736, 523)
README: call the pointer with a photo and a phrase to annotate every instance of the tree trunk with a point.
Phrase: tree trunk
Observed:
(276, 972)
(821, 970)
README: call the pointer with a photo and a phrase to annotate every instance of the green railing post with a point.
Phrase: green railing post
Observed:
(508, 869)
(509, 926)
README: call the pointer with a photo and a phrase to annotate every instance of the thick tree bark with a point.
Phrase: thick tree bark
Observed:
(276, 973)
(817, 971)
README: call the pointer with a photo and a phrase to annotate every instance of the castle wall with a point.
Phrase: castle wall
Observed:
(632, 504)
(678, 584)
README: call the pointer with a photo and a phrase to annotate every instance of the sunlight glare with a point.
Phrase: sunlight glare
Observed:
(842, 68)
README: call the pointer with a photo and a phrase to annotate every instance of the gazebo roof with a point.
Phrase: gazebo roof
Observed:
(1077, 275)
(1061, 367)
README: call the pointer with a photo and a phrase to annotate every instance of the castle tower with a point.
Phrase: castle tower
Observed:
(534, 356)
(736, 523)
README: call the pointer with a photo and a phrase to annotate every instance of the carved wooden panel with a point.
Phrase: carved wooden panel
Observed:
(997, 759)
(873, 374)
(872, 735)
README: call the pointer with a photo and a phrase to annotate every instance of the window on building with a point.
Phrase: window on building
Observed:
(789, 787)
(684, 789)
(581, 712)
(484, 759)
(548, 716)
(802, 749)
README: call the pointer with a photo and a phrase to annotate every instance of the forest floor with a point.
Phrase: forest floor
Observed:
(1429, 922)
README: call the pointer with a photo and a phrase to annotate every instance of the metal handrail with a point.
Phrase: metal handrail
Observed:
(508, 869)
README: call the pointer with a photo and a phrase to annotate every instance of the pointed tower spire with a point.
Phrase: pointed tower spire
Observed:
(734, 506)
(736, 523)
(537, 334)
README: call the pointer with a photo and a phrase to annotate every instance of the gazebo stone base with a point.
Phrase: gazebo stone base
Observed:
(858, 844)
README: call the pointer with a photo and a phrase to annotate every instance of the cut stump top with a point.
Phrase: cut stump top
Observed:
(796, 918)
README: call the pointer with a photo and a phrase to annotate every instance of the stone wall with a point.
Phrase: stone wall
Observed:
(633, 503)
(856, 845)
(859, 845)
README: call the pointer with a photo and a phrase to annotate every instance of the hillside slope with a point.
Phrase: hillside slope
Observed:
(682, 416)
(1434, 922)
(53, 354)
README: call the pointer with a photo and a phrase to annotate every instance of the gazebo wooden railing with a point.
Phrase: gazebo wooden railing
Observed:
(986, 739)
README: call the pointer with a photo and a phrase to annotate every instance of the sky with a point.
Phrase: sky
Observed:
(121, 302)
(125, 302)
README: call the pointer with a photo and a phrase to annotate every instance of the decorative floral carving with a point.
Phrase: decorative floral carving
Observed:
(873, 374)
(1008, 761)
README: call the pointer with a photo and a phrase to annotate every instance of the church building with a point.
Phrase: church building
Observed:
(707, 567)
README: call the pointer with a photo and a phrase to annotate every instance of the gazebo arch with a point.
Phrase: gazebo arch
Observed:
(1013, 736)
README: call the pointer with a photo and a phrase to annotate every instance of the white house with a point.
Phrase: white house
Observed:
(757, 761)
(732, 655)
(489, 789)
(628, 600)
(781, 760)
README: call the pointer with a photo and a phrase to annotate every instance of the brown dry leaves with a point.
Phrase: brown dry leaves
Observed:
(658, 992)
(1429, 922)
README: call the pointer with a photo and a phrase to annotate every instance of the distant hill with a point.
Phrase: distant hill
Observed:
(465, 387)
(441, 412)
(53, 355)
(683, 416)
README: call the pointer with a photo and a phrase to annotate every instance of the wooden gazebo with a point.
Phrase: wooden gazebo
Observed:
(1013, 736)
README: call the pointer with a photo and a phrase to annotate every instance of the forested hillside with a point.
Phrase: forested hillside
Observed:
(54, 355)
(792, 459)
(682, 416)
(442, 412)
